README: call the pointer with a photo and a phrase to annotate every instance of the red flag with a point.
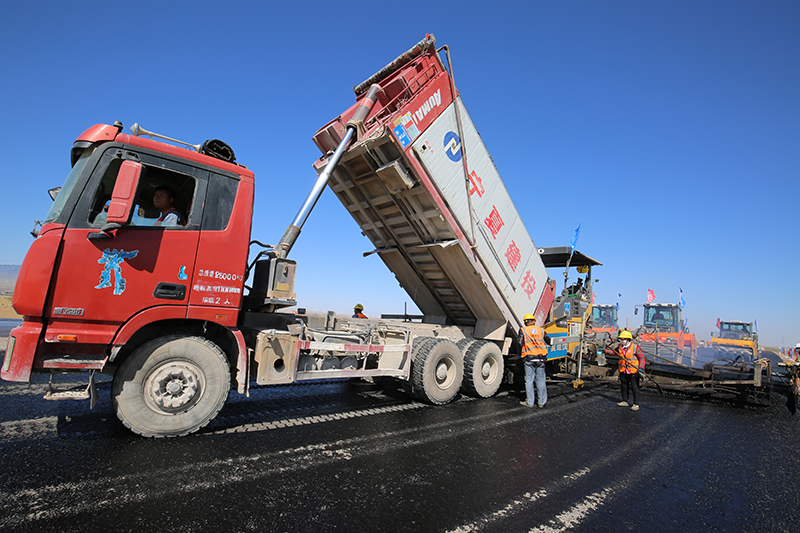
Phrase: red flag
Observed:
(718, 322)
(650, 296)
(593, 295)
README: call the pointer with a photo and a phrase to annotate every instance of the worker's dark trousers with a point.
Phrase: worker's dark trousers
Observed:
(629, 382)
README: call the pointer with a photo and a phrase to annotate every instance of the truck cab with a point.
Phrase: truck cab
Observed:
(665, 335)
(105, 274)
(604, 318)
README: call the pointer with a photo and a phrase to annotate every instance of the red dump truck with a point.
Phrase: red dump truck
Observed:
(168, 310)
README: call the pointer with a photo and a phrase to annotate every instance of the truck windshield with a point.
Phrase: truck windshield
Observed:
(69, 185)
(604, 317)
(740, 329)
(662, 317)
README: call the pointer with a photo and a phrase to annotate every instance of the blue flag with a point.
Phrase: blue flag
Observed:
(619, 294)
(683, 304)
(574, 240)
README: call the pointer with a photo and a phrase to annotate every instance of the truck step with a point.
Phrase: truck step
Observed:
(89, 392)
(72, 394)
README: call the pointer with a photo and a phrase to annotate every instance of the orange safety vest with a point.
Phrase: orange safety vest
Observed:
(628, 359)
(534, 343)
(359, 315)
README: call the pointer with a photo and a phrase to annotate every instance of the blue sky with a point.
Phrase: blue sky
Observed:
(670, 130)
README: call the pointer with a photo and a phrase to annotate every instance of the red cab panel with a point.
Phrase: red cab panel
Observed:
(103, 283)
(33, 281)
(22, 343)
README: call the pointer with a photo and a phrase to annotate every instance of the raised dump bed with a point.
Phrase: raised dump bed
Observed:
(422, 186)
(408, 164)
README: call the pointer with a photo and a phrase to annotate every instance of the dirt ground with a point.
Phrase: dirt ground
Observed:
(6, 311)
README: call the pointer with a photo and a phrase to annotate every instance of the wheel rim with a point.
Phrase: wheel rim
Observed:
(173, 387)
(489, 370)
(445, 372)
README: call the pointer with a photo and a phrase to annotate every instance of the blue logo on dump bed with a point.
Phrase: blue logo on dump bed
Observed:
(402, 136)
(452, 146)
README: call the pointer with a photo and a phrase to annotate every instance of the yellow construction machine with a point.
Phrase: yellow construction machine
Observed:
(735, 340)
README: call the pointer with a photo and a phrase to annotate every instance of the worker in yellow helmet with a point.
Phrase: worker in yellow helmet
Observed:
(631, 366)
(533, 342)
(357, 311)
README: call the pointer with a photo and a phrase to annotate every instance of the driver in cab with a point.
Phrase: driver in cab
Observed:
(659, 319)
(163, 199)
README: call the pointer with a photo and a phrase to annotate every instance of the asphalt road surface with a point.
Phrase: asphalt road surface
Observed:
(357, 456)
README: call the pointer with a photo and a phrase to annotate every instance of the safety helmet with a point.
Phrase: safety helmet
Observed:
(358, 307)
(625, 334)
(797, 345)
(527, 317)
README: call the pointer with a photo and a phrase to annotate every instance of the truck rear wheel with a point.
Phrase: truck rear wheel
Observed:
(483, 369)
(464, 344)
(416, 346)
(437, 371)
(171, 386)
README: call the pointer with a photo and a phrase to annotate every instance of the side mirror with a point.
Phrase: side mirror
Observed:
(104, 233)
(54, 192)
(121, 207)
(713, 334)
(635, 310)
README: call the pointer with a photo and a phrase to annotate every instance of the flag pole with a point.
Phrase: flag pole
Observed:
(571, 252)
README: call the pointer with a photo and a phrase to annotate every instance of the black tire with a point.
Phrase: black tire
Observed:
(171, 386)
(464, 344)
(483, 369)
(417, 344)
(437, 371)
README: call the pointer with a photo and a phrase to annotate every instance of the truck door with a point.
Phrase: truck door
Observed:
(104, 279)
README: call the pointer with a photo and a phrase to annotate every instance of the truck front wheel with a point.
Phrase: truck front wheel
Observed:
(483, 369)
(437, 371)
(171, 386)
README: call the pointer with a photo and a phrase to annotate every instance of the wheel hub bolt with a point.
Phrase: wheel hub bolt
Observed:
(174, 387)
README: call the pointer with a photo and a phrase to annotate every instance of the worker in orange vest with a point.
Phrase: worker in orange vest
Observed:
(631, 366)
(533, 341)
(357, 311)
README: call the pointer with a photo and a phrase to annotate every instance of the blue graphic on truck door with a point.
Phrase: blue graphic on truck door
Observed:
(113, 260)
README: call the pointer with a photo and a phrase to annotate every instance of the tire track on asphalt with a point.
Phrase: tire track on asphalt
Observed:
(37, 428)
(20, 389)
(581, 509)
(52, 502)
